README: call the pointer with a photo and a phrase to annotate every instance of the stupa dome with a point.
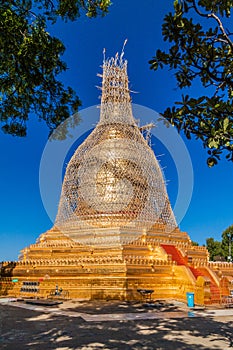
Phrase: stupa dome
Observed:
(113, 185)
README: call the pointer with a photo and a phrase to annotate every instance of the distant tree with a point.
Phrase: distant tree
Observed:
(227, 243)
(214, 248)
(30, 61)
(195, 243)
(201, 51)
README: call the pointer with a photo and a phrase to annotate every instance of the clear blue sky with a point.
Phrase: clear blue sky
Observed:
(23, 217)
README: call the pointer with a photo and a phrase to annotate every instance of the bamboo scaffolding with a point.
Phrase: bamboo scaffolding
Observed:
(113, 187)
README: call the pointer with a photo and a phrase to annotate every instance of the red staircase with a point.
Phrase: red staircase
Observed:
(175, 253)
(180, 260)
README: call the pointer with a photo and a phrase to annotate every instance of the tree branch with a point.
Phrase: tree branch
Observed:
(213, 15)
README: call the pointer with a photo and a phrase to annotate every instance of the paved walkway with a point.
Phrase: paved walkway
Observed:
(76, 325)
(114, 314)
(110, 316)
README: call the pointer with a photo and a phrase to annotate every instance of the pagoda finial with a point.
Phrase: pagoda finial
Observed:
(115, 99)
(122, 51)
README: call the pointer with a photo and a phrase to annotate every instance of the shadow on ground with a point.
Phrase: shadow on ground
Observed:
(109, 307)
(22, 329)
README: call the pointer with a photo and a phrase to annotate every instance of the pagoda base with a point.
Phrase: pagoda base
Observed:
(167, 264)
(69, 283)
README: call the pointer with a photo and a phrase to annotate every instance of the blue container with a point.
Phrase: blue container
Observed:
(190, 299)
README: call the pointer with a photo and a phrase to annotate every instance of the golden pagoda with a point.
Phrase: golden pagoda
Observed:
(115, 234)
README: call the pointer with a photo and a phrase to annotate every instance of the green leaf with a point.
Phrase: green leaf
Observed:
(211, 162)
(225, 124)
(213, 144)
(31, 61)
(200, 56)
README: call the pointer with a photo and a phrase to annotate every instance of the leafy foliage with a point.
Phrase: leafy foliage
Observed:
(201, 51)
(227, 243)
(222, 250)
(30, 61)
(214, 248)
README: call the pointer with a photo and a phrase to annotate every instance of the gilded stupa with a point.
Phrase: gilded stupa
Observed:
(113, 181)
(115, 233)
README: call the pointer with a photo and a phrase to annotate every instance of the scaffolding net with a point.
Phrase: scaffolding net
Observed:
(113, 189)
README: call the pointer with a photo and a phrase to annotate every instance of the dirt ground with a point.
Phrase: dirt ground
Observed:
(111, 325)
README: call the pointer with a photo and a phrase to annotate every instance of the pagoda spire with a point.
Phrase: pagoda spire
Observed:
(115, 100)
(113, 189)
